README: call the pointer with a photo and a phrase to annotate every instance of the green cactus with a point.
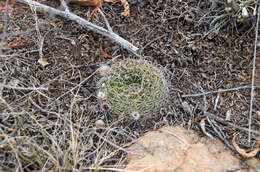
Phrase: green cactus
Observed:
(131, 87)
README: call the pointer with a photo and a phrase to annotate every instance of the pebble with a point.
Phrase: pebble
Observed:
(100, 123)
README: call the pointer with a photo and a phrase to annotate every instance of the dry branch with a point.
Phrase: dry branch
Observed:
(25, 88)
(85, 24)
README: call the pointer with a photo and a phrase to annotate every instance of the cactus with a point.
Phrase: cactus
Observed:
(132, 88)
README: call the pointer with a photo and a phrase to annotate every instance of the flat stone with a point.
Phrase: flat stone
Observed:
(175, 149)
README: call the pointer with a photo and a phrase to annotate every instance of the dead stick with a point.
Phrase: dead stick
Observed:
(84, 23)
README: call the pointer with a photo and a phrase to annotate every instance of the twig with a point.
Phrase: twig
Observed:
(216, 101)
(219, 91)
(64, 5)
(219, 132)
(106, 21)
(202, 123)
(203, 128)
(84, 23)
(149, 43)
(116, 146)
(217, 26)
(46, 111)
(215, 117)
(253, 78)
(40, 38)
(5, 18)
(25, 88)
(205, 104)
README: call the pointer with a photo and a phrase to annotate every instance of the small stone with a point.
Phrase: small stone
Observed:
(100, 123)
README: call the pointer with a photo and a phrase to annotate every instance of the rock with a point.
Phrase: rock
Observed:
(179, 150)
(100, 124)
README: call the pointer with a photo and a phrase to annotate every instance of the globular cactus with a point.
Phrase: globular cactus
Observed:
(132, 88)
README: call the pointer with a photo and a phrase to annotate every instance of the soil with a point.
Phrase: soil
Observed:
(171, 34)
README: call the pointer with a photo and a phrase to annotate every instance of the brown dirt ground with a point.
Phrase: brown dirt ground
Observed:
(166, 32)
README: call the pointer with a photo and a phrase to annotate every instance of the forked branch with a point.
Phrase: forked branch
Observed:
(85, 24)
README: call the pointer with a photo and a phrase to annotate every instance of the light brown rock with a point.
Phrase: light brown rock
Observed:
(174, 149)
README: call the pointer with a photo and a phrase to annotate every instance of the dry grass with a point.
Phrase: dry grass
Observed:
(48, 113)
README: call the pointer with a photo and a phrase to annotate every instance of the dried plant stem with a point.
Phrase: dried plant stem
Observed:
(106, 21)
(253, 78)
(84, 23)
(25, 88)
(64, 5)
(219, 91)
(215, 117)
(116, 146)
(5, 18)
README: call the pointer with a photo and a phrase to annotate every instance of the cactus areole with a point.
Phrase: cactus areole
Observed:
(133, 86)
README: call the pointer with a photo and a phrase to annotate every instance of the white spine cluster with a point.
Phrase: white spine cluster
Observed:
(101, 95)
(136, 115)
(103, 70)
